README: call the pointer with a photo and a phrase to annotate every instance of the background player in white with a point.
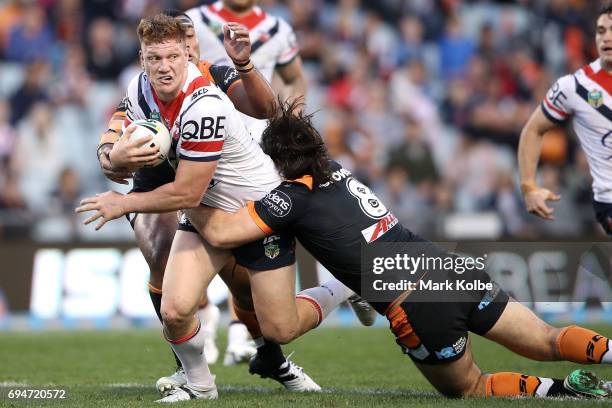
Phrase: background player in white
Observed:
(274, 50)
(210, 139)
(585, 98)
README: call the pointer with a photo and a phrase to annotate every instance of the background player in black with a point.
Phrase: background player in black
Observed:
(333, 215)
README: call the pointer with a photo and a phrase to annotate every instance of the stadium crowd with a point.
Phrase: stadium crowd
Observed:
(422, 100)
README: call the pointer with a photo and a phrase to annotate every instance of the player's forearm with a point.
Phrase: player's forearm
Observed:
(529, 149)
(166, 198)
(114, 129)
(259, 92)
(297, 88)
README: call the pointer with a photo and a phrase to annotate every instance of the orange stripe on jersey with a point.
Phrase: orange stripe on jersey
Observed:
(204, 67)
(305, 180)
(602, 77)
(401, 327)
(257, 219)
(202, 146)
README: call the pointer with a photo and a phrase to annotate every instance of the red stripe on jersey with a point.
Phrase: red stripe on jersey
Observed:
(208, 147)
(601, 77)
(554, 108)
(250, 20)
(170, 110)
(199, 82)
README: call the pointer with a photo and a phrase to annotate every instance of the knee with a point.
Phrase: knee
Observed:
(280, 334)
(175, 314)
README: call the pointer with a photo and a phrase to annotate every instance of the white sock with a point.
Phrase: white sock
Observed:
(237, 333)
(326, 297)
(607, 357)
(209, 317)
(190, 350)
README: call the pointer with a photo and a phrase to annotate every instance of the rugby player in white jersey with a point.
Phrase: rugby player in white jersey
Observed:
(210, 138)
(585, 99)
(274, 50)
(251, 94)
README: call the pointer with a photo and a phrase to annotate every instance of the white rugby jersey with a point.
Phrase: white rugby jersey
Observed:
(205, 126)
(273, 43)
(586, 98)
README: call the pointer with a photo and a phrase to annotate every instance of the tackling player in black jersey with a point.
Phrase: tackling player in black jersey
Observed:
(333, 215)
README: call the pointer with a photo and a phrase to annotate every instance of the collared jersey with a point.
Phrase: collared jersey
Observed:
(205, 126)
(585, 98)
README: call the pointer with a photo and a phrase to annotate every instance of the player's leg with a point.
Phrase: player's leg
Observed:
(240, 347)
(209, 314)
(191, 266)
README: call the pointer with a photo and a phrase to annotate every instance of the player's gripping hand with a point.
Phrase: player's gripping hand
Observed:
(133, 153)
(107, 206)
(535, 201)
(117, 175)
(237, 42)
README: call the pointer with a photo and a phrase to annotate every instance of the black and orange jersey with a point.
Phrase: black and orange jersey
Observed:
(332, 221)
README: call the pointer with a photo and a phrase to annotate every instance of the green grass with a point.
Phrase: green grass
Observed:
(356, 367)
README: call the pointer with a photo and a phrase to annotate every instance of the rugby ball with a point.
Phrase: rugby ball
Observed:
(161, 136)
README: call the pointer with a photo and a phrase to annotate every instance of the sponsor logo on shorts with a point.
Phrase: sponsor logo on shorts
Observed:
(446, 352)
(278, 203)
(271, 250)
(419, 353)
(488, 297)
(452, 351)
(377, 230)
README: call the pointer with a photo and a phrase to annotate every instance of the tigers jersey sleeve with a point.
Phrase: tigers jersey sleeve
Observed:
(203, 125)
(281, 207)
(558, 102)
(224, 76)
(289, 49)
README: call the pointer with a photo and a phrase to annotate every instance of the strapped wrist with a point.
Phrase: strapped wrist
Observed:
(241, 64)
(101, 146)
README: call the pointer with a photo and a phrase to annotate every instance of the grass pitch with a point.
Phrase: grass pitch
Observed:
(357, 367)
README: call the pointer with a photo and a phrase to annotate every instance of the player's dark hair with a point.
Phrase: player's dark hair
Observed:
(605, 9)
(295, 146)
(177, 13)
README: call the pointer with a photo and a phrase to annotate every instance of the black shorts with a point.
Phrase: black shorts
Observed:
(148, 179)
(603, 213)
(272, 252)
(436, 332)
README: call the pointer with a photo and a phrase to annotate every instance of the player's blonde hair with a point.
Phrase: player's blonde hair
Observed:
(160, 28)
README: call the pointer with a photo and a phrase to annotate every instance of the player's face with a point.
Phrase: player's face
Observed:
(166, 66)
(603, 39)
(239, 5)
(193, 45)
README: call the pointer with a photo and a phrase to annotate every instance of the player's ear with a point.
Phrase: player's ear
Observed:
(141, 59)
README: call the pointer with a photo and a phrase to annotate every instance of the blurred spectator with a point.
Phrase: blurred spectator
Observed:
(32, 90)
(456, 49)
(103, 62)
(65, 197)
(38, 157)
(7, 136)
(73, 84)
(31, 38)
(11, 13)
(67, 18)
(414, 155)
